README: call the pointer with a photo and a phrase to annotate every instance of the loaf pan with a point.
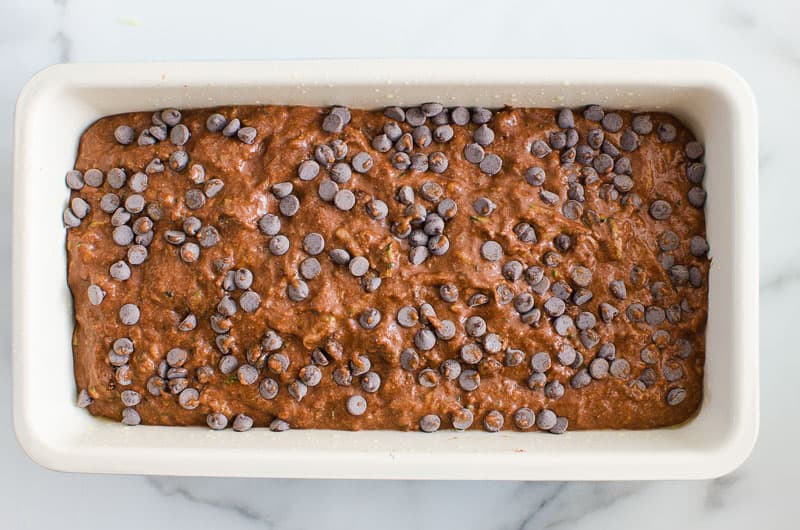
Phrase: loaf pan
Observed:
(58, 104)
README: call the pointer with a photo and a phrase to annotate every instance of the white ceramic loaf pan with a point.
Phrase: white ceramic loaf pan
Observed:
(59, 103)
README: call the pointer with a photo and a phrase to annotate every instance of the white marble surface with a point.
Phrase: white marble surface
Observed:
(759, 39)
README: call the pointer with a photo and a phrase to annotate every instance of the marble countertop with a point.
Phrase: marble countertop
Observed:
(759, 40)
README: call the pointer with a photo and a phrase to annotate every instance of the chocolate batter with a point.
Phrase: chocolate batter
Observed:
(592, 227)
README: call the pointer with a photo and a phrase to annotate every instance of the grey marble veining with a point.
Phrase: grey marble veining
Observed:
(760, 40)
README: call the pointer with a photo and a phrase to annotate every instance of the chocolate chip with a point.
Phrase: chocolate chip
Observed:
(395, 113)
(129, 314)
(695, 277)
(332, 123)
(362, 162)
(585, 320)
(370, 382)
(279, 245)
(603, 163)
(695, 172)
(424, 339)
(589, 338)
(561, 426)
(341, 257)
(525, 233)
(124, 134)
(666, 132)
(554, 390)
(392, 131)
(461, 419)
(469, 380)
(249, 301)
(540, 362)
(676, 396)
(159, 132)
(437, 162)
(593, 113)
(297, 290)
(428, 378)
(536, 381)
(564, 325)
(409, 359)
(356, 405)
(535, 176)
(612, 122)
(242, 423)
(541, 287)
(418, 238)
(179, 135)
(358, 266)
(698, 246)
(629, 141)
(137, 254)
(642, 124)
(279, 425)
(130, 398)
(491, 251)
(540, 149)
(567, 355)
(450, 369)
(548, 197)
(448, 293)
(580, 379)
(382, 143)
(474, 153)
(572, 140)
(617, 288)
(93, 177)
(558, 140)
(623, 183)
(694, 150)
(492, 343)
(481, 115)
(342, 112)
(401, 161)
(404, 144)
(595, 138)
(74, 179)
(660, 210)
(415, 117)
(216, 122)
(622, 165)
(483, 135)
(460, 115)
(470, 353)
(524, 418)
(297, 389)
(344, 200)
(598, 368)
(584, 155)
(554, 306)
(122, 235)
(120, 271)
(609, 149)
(697, 197)
(546, 419)
(493, 421)
(421, 136)
(443, 133)
(442, 118)
(131, 417)
(607, 312)
(195, 199)
(145, 139)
